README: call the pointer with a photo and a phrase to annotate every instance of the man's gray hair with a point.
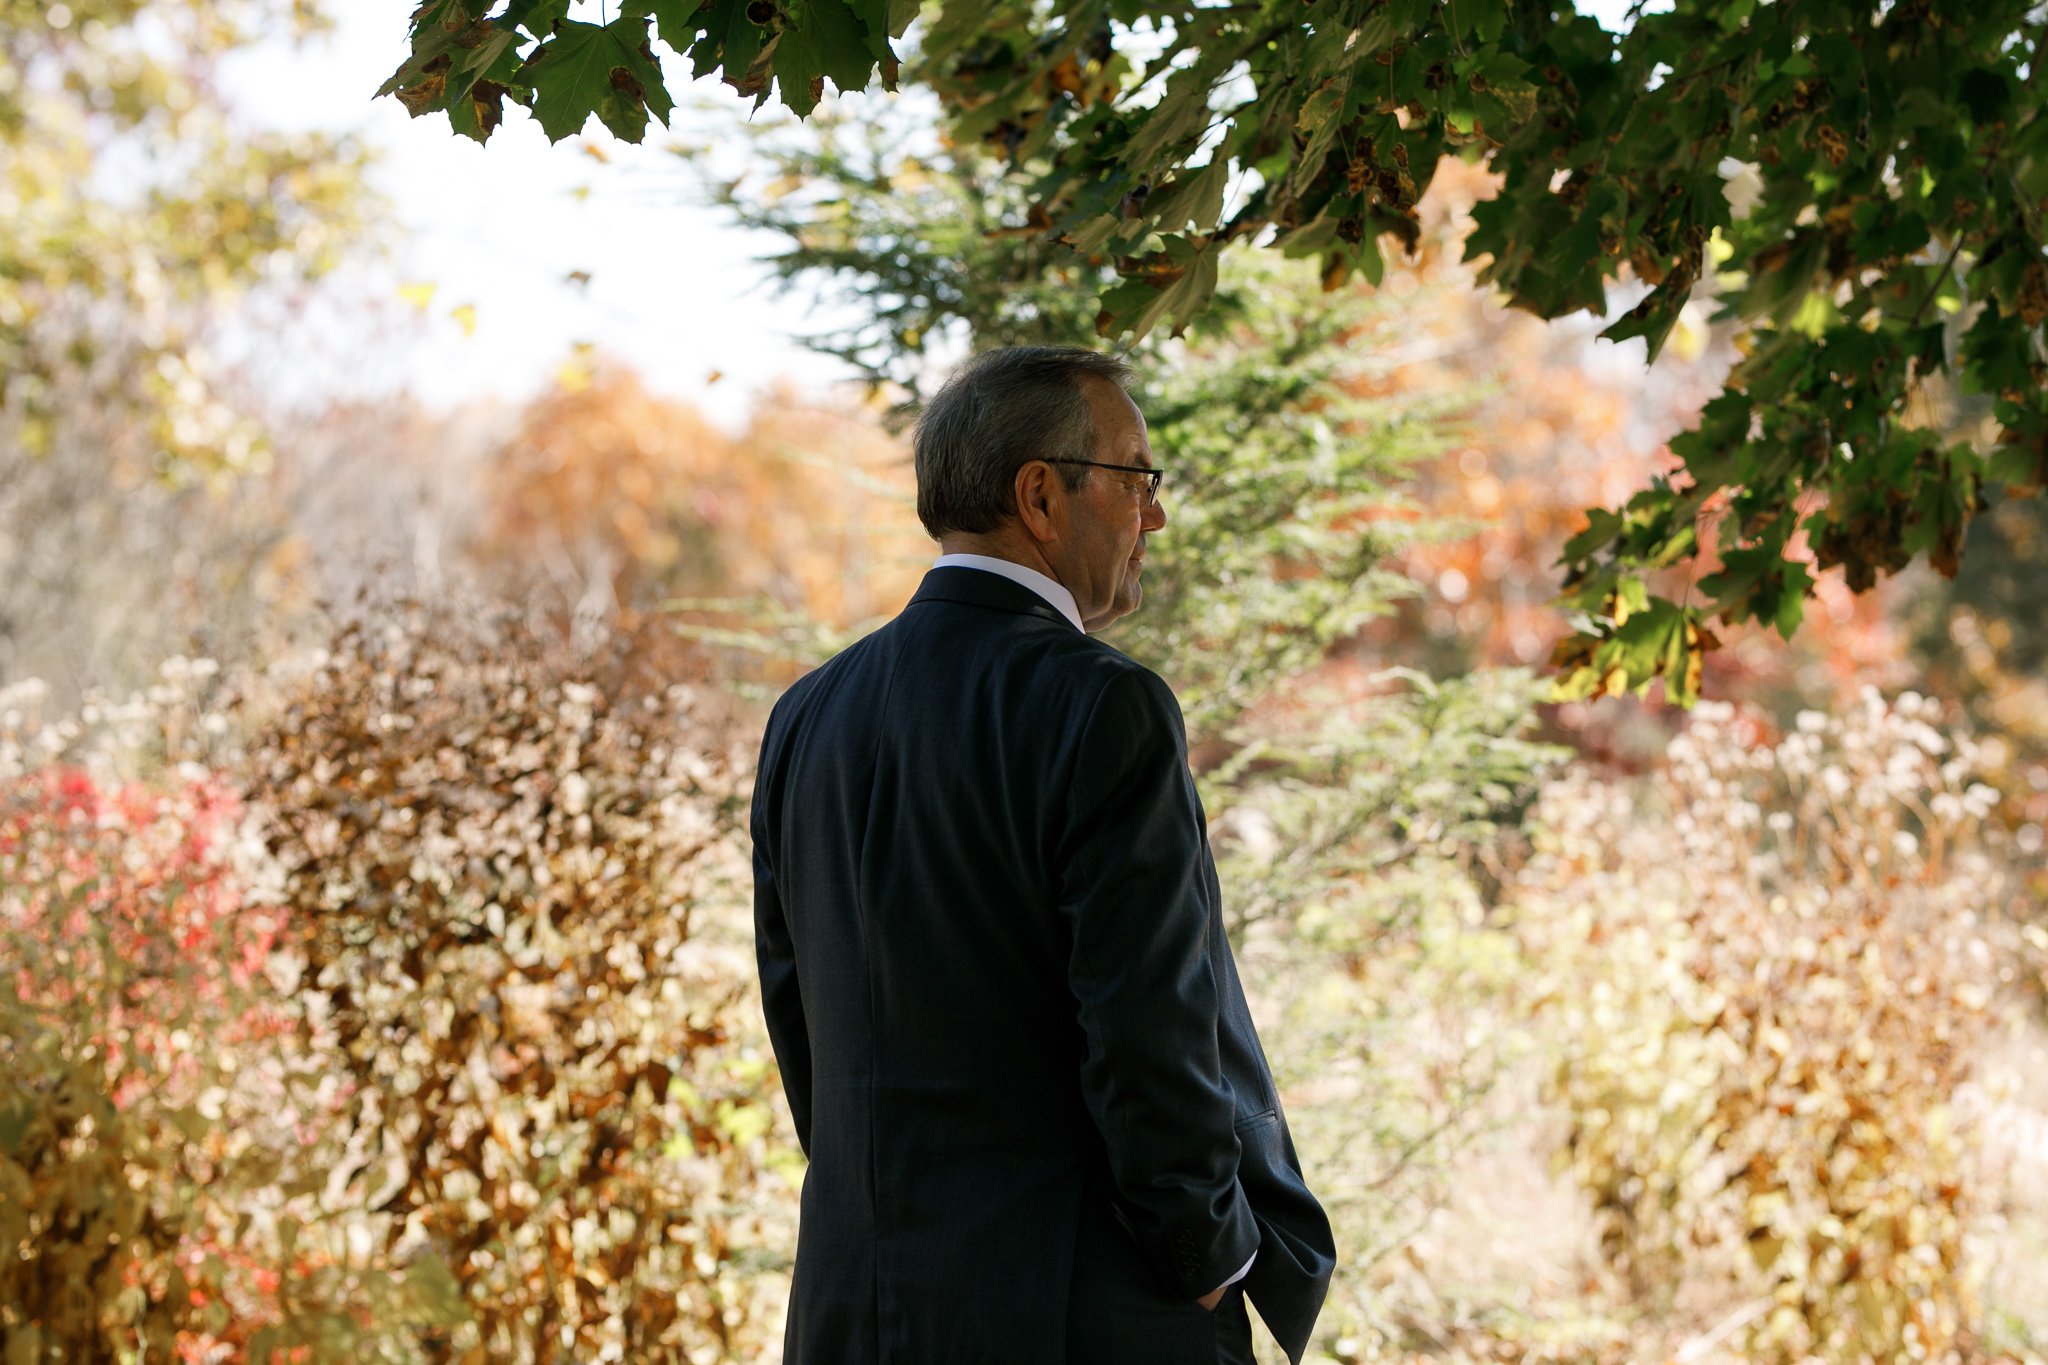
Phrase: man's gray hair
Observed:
(997, 413)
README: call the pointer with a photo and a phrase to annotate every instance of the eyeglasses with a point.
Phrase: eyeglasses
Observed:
(1153, 474)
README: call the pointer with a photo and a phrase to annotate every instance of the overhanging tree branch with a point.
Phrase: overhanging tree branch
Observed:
(1874, 133)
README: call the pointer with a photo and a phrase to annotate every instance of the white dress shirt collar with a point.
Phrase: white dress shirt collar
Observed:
(1052, 590)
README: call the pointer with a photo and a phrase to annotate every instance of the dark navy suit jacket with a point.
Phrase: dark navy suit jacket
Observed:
(1008, 1020)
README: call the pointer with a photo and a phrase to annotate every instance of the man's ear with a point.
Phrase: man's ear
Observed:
(1041, 499)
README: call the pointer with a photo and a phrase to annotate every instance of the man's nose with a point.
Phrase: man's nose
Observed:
(1155, 515)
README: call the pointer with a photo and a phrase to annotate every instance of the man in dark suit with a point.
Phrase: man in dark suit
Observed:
(1039, 1122)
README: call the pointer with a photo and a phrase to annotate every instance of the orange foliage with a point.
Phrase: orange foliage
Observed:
(1560, 422)
(625, 499)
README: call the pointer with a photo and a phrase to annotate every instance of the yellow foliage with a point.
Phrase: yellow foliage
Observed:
(510, 872)
(1769, 985)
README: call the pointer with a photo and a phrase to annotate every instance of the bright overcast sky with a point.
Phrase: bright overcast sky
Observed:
(673, 289)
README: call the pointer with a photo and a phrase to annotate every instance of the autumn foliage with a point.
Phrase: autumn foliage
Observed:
(132, 979)
(385, 995)
(618, 500)
(507, 870)
(1774, 970)
(486, 1091)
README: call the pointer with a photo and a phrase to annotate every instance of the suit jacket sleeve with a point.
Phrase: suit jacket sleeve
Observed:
(781, 997)
(1134, 894)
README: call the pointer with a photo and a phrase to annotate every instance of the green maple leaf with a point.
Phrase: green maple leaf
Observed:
(584, 69)
(729, 39)
(895, 14)
(1759, 581)
(477, 79)
(1601, 528)
(1654, 317)
(537, 17)
(1181, 288)
(1658, 638)
(675, 21)
(434, 30)
(823, 38)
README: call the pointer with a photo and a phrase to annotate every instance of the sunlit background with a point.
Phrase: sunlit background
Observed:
(399, 538)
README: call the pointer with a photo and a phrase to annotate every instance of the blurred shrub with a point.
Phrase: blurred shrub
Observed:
(496, 858)
(131, 1007)
(1357, 840)
(1771, 967)
(158, 1164)
(483, 1086)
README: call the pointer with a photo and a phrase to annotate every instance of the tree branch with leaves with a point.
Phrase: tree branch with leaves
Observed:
(1896, 157)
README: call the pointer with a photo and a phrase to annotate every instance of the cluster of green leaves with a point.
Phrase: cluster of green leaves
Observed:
(469, 57)
(109, 282)
(1863, 185)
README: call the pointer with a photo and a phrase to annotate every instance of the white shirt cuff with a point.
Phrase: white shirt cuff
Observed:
(1242, 1271)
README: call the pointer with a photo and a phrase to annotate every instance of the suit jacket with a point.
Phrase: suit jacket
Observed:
(1007, 1016)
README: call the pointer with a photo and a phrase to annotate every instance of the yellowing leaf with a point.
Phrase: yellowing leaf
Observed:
(420, 294)
(1320, 107)
(1814, 315)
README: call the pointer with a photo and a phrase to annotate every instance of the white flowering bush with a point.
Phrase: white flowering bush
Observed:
(1770, 967)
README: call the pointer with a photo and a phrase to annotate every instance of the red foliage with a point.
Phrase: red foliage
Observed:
(134, 949)
(146, 875)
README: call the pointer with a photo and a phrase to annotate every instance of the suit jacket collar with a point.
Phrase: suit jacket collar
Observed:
(978, 588)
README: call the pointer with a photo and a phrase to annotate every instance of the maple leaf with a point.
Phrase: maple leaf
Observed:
(731, 39)
(478, 113)
(677, 22)
(434, 31)
(609, 71)
(1760, 582)
(824, 38)
(1650, 638)
(428, 88)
